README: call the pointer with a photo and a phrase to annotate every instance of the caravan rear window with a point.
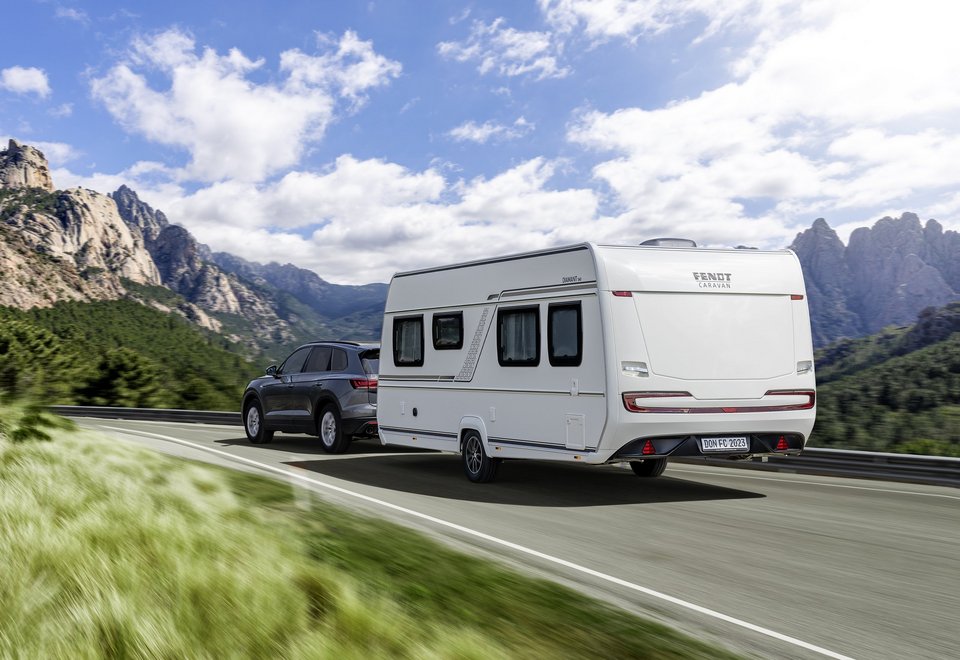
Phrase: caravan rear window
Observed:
(408, 341)
(565, 335)
(518, 336)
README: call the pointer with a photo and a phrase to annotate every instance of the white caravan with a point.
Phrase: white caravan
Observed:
(600, 354)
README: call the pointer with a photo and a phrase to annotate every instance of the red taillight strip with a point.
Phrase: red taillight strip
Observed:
(364, 383)
(630, 403)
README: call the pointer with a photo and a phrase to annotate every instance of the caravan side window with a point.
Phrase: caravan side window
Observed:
(448, 331)
(518, 336)
(408, 341)
(565, 335)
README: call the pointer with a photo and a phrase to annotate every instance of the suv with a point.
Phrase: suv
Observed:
(326, 388)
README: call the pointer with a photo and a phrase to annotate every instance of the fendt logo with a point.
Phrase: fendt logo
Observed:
(713, 280)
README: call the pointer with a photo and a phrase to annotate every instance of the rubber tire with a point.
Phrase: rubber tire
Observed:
(330, 430)
(478, 467)
(649, 468)
(262, 436)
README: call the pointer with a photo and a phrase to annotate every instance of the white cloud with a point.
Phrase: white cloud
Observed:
(72, 14)
(601, 20)
(62, 110)
(832, 115)
(360, 221)
(352, 69)
(57, 153)
(471, 131)
(507, 51)
(25, 80)
(231, 126)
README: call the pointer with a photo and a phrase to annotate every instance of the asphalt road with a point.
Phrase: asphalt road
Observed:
(771, 565)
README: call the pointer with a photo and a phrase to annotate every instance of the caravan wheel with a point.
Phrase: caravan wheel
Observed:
(479, 467)
(651, 467)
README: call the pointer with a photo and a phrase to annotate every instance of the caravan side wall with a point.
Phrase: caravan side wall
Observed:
(521, 411)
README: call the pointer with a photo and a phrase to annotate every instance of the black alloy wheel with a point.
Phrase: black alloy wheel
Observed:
(479, 467)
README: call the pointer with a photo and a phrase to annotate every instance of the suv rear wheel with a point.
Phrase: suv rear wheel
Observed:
(253, 424)
(331, 433)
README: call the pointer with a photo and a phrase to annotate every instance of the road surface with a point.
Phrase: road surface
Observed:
(769, 565)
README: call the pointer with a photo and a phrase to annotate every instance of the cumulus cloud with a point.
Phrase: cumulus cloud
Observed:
(231, 126)
(834, 116)
(471, 131)
(360, 221)
(507, 51)
(25, 80)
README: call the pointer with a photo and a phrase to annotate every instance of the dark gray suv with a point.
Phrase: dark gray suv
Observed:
(325, 388)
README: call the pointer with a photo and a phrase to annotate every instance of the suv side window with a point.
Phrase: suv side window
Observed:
(294, 363)
(338, 361)
(319, 360)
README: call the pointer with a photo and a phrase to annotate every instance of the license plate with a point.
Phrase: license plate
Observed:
(732, 443)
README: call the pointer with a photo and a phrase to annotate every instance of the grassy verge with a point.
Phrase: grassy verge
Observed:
(114, 551)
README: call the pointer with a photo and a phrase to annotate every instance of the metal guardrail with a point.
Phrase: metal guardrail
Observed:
(151, 414)
(912, 468)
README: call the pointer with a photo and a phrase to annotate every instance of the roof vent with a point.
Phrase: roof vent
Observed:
(670, 242)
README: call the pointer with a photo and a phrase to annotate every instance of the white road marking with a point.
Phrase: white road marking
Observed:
(507, 544)
(739, 474)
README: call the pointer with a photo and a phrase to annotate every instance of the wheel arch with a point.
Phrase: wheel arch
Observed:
(322, 400)
(472, 423)
(247, 397)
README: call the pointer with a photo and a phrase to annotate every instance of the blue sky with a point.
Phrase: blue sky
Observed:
(362, 138)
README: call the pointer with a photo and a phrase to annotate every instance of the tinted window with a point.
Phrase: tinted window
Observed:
(408, 341)
(518, 337)
(371, 361)
(565, 332)
(294, 363)
(339, 360)
(319, 359)
(448, 331)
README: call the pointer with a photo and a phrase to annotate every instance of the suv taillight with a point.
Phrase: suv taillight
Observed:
(364, 383)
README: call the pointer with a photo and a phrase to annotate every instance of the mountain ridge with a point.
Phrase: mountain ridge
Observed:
(886, 274)
(79, 244)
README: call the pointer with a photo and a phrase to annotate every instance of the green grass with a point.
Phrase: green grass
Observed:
(114, 551)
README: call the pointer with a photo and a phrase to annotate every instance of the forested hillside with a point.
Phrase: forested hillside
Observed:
(118, 353)
(898, 390)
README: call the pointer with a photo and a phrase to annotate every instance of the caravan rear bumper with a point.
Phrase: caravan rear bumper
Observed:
(718, 445)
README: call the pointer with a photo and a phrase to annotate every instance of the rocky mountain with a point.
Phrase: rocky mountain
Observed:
(886, 275)
(23, 166)
(56, 245)
(335, 300)
(81, 245)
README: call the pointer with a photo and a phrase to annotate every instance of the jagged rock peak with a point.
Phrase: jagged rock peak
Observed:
(23, 166)
(137, 213)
